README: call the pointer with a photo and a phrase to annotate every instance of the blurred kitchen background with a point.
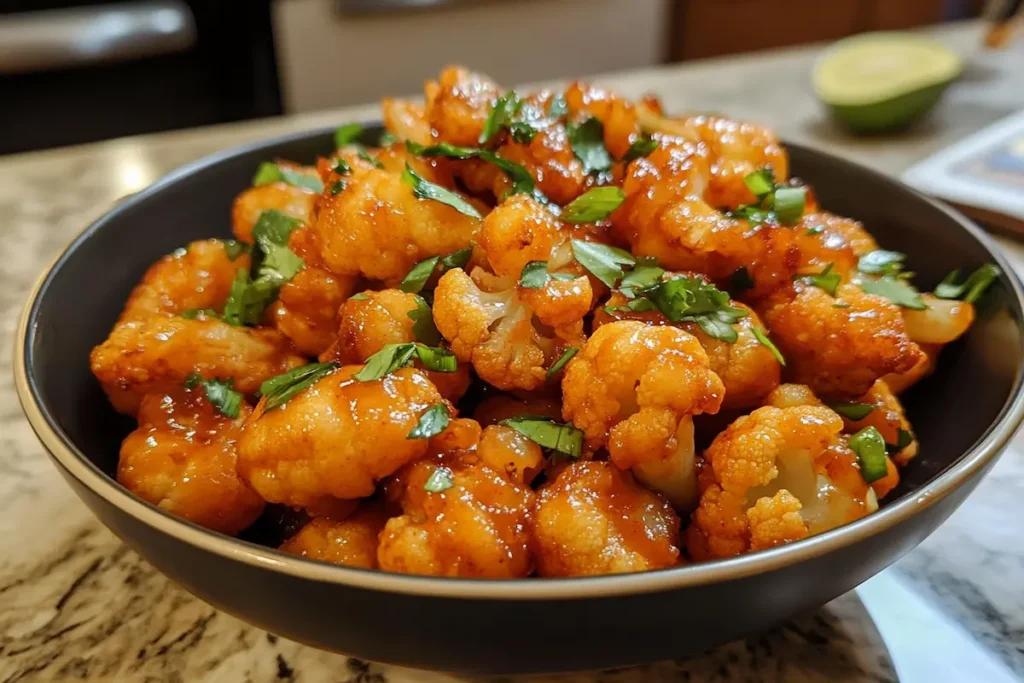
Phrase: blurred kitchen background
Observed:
(74, 71)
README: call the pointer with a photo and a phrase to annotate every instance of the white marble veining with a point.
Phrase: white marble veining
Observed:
(76, 604)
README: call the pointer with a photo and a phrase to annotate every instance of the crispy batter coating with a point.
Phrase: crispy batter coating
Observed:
(477, 527)
(495, 331)
(157, 353)
(772, 477)
(377, 227)
(366, 325)
(747, 368)
(294, 201)
(887, 417)
(306, 309)
(338, 438)
(407, 120)
(197, 277)
(634, 388)
(666, 216)
(838, 352)
(925, 365)
(351, 541)
(595, 519)
(182, 459)
(458, 105)
(737, 149)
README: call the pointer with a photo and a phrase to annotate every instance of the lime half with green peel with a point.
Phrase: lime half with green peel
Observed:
(884, 81)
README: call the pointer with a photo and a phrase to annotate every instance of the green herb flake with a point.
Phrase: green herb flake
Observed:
(361, 296)
(416, 279)
(234, 248)
(593, 205)
(193, 313)
(500, 116)
(881, 262)
(761, 183)
(269, 172)
(431, 423)
(563, 439)
(457, 259)
(386, 139)
(247, 299)
(424, 189)
(274, 226)
(641, 147)
(439, 481)
(825, 280)
(558, 107)
(341, 167)
(903, 439)
(587, 141)
(390, 358)
(789, 204)
(816, 230)
(566, 356)
(522, 181)
(347, 134)
(741, 280)
(337, 187)
(640, 278)
(973, 287)
(534, 275)
(437, 359)
(280, 389)
(370, 159)
(767, 343)
(602, 261)
(853, 411)
(423, 328)
(220, 393)
(895, 290)
(869, 446)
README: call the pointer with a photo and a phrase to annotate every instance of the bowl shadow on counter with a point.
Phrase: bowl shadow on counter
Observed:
(954, 409)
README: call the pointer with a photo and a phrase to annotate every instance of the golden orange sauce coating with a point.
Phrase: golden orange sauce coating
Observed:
(182, 459)
(775, 476)
(338, 438)
(157, 354)
(595, 519)
(376, 319)
(297, 202)
(747, 368)
(838, 351)
(377, 227)
(351, 541)
(476, 527)
(196, 277)
(306, 309)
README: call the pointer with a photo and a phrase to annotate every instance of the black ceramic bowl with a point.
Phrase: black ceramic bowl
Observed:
(964, 415)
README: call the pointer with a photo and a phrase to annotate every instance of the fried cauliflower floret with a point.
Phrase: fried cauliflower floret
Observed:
(773, 477)
(338, 438)
(666, 216)
(887, 417)
(825, 238)
(747, 368)
(182, 459)
(458, 104)
(508, 452)
(460, 517)
(618, 116)
(372, 321)
(595, 519)
(351, 541)
(634, 389)
(406, 120)
(196, 277)
(495, 331)
(925, 366)
(157, 353)
(377, 227)
(521, 230)
(838, 351)
(738, 148)
(297, 202)
(306, 309)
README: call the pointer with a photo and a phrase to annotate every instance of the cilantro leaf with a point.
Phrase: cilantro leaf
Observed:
(587, 141)
(431, 423)
(424, 189)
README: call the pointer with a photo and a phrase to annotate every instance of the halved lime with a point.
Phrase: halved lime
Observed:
(884, 81)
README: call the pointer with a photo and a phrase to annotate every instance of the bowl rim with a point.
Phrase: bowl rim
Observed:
(75, 463)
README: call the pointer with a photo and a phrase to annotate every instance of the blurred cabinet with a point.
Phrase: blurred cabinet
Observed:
(337, 52)
(706, 28)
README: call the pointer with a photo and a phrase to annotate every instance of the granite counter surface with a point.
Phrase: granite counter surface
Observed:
(76, 604)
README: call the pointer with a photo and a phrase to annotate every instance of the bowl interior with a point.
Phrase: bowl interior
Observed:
(83, 295)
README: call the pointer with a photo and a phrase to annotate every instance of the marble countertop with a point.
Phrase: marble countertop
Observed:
(76, 604)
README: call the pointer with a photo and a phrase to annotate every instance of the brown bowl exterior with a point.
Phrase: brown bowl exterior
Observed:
(964, 415)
